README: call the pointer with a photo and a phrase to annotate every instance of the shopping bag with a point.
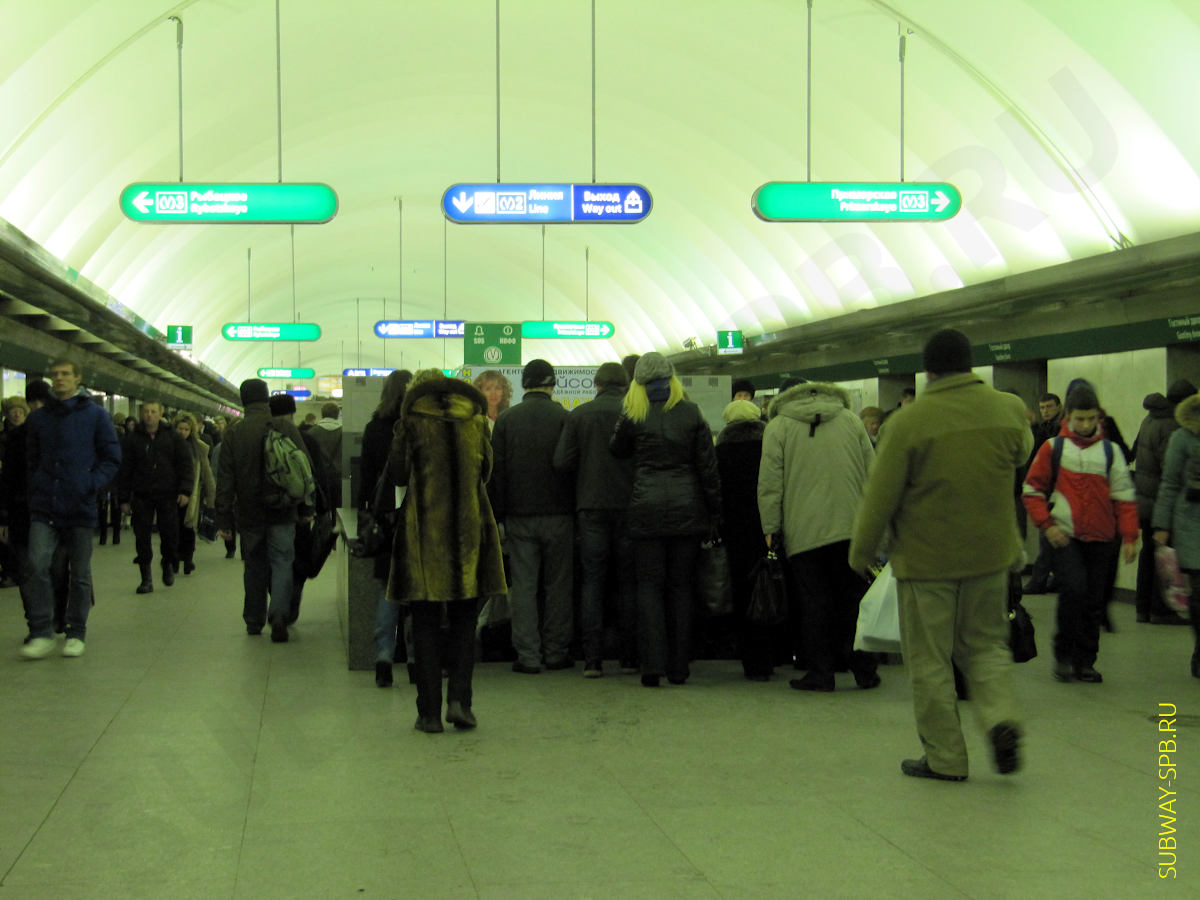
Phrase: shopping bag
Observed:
(1175, 582)
(206, 528)
(768, 592)
(878, 629)
(714, 585)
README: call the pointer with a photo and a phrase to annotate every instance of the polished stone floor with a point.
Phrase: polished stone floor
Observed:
(181, 758)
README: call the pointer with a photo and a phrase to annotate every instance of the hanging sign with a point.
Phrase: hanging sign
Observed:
(367, 373)
(729, 343)
(418, 328)
(298, 393)
(514, 204)
(567, 330)
(287, 373)
(492, 344)
(860, 201)
(179, 337)
(177, 202)
(270, 331)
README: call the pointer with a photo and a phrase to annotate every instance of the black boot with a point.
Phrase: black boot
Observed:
(147, 585)
(168, 574)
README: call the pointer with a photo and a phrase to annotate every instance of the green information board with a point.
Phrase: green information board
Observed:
(179, 337)
(286, 373)
(856, 201)
(270, 331)
(492, 344)
(172, 202)
(729, 343)
(541, 329)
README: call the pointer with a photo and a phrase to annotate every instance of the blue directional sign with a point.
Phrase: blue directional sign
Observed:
(298, 393)
(515, 204)
(418, 328)
(367, 373)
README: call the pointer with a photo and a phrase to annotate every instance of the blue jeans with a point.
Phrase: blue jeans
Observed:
(43, 540)
(605, 548)
(267, 554)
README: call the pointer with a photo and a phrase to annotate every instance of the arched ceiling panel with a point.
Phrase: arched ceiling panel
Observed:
(1061, 122)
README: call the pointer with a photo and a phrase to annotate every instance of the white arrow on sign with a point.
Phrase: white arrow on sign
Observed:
(143, 202)
(605, 330)
(463, 202)
(940, 201)
(230, 330)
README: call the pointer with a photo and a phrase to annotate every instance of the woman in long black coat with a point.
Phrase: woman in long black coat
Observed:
(676, 503)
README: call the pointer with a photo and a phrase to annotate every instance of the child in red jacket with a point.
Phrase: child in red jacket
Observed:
(1079, 493)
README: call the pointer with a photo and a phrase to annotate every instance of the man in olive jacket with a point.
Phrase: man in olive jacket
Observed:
(534, 504)
(268, 535)
(941, 487)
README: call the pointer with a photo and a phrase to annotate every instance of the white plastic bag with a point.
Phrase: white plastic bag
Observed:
(878, 628)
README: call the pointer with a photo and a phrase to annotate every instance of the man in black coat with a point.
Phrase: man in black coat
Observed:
(155, 481)
(602, 487)
(533, 505)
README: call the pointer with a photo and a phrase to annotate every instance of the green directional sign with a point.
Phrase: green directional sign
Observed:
(598, 330)
(729, 343)
(270, 331)
(492, 343)
(859, 201)
(286, 373)
(179, 337)
(176, 202)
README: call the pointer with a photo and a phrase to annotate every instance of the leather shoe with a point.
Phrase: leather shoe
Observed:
(868, 680)
(523, 669)
(1088, 675)
(650, 680)
(809, 683)
(383, 673)
(279, 633)
(460, 716)
(1006, 740)
(919, 768)
(429, 725)
(565, 663)
(1063, 672)
(168, 575)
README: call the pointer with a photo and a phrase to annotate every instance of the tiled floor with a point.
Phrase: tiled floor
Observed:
(180, 758)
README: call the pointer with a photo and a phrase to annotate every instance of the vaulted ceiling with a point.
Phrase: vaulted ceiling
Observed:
(1069, 127)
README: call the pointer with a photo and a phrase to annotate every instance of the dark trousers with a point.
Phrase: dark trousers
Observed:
(146, 508)
(606, 555)
(666, 573)
(1043, 566)
(187, 538)
(108, 510)
(1149, 591)
(457, 654)
(1083, 569)
(829, 592)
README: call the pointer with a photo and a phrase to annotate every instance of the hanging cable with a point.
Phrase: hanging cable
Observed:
(808, 101)
(179, 52)
(903, 54)
(587, 284)
(399, 254)
(279, 91)
(248, 318)
(497, 91)
(543, 273)
(593, 91)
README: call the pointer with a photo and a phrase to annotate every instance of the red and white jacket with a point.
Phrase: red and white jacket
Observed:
(1090, 501)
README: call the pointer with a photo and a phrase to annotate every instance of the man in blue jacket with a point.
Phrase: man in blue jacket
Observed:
(72, 453)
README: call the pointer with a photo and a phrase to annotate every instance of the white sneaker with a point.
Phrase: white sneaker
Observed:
(37, 648)
(73, 647)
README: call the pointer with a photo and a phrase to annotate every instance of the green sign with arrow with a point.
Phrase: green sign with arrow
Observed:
(176, 202)
(270, 331)
(286, 373)
(599, 330)
(857, 201)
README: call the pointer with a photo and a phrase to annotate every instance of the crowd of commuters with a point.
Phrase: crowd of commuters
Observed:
(492, 502)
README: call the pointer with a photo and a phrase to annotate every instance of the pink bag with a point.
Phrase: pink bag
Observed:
(1175, 582)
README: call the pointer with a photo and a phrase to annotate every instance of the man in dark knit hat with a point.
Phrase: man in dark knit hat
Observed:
(941, 486)
(533, 504)
(268, 533)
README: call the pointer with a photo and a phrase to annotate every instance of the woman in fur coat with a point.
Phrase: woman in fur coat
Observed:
(446, 554)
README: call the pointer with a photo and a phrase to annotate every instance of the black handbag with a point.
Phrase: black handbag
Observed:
(714, 584)
(768, 591)
(1021, 639)
(323, 541)
(206, 528)
(376, 525)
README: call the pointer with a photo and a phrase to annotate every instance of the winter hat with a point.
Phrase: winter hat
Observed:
(791, 382)
(1180, 390)
(740, 411)
(538, 374)
(611, 375)
(947, 351)
(37, 390)
(253, 390)
(742, 384)
(1079, 383)
(282, 404)
(651, 367)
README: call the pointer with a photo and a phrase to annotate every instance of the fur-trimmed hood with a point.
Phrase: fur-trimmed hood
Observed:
(742, 432)
(811, 403)
(446, 398)
(1187, 413)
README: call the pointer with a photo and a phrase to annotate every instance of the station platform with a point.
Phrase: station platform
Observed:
(181, 758)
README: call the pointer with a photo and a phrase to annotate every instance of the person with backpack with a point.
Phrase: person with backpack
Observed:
(1080, 494)
(265, 476)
